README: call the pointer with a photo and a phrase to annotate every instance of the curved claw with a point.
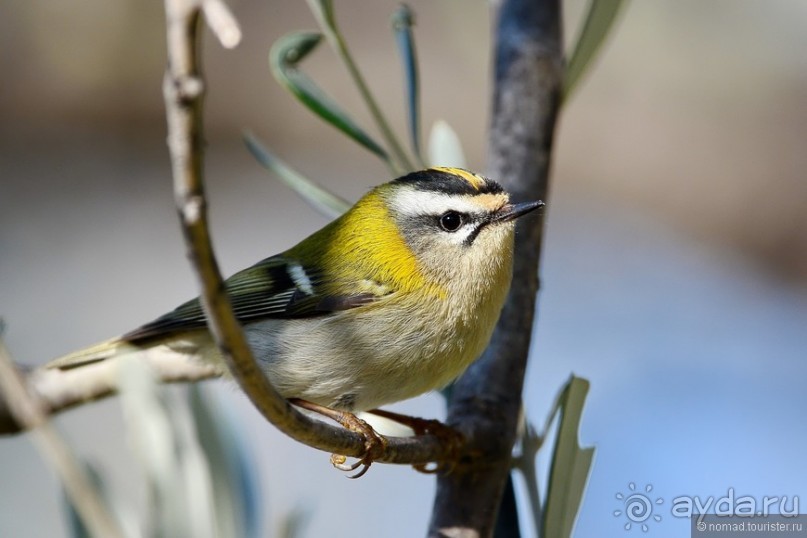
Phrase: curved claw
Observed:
(338, 461)
(361, 473)
(374, 444)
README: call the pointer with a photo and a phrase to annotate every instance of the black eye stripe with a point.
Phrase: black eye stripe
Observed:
(417, 224)
(473, 235)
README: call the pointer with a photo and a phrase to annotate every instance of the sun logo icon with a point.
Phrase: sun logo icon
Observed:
(637, 507)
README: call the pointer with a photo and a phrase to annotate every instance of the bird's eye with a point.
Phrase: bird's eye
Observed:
(451, 221)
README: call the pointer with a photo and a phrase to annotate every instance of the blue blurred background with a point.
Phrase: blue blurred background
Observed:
(673, 278)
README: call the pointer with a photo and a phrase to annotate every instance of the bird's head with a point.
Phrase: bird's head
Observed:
(454, 221)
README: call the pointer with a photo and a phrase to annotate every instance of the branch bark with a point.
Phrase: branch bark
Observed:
(59, 390)
(486, 400)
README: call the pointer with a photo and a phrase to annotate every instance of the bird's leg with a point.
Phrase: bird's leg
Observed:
(421, 426)
(374, 444)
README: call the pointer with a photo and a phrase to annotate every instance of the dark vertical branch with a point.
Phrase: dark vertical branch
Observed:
(486, 401)
(507, 521)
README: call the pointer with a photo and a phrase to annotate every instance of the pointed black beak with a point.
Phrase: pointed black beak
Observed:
(513, 211)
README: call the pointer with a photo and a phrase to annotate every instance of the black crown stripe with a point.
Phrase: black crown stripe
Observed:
(451, 181)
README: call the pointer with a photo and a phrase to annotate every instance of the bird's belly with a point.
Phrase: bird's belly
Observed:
(355, 363)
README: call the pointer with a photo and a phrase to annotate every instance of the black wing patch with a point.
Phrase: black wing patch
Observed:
(264, 291)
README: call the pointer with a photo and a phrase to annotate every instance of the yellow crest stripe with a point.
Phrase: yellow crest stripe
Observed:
(477, 182)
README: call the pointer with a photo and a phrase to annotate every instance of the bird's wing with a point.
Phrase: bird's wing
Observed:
(273, 288)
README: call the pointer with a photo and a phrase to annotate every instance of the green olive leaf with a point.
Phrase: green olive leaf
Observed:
(321, 199)
(323, 9)
(571, 464)
(600, 18)
(402, 22)
(284, 58)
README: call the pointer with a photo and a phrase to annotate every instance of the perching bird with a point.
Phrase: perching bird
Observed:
(393, 299)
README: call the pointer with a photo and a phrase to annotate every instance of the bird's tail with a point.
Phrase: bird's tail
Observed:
(108, 349)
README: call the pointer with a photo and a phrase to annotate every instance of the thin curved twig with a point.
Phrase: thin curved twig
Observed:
(184, 90)
(62, 390)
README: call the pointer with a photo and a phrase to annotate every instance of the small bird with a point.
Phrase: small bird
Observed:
(391, 300)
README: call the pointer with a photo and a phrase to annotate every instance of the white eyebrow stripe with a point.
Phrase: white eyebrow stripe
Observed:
(413, 202)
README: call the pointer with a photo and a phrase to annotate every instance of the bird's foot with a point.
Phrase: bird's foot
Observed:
(374, 444)
(447, 435)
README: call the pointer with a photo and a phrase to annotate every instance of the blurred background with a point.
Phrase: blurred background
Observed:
(674, 277)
